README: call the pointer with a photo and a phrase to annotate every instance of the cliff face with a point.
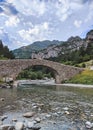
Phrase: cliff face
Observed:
(72, 44)
(51, 51)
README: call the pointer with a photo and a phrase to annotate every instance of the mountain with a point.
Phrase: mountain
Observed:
(59, 51)
(74, 51)
(26, 51)
(72, 44)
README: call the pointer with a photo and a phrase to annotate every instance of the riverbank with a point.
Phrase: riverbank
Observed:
(77, 85)
(49, 82)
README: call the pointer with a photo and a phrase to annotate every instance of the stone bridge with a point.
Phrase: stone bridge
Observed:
(11, 68)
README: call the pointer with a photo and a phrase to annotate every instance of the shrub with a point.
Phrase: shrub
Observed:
(83, 65)
(40, 75)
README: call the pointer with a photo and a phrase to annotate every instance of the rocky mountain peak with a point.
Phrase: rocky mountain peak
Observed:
(76, 38)
(89, 36)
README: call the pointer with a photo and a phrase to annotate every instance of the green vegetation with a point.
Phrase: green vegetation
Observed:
(85, 77)
(5, 53)
(76, 57)
(36, 72)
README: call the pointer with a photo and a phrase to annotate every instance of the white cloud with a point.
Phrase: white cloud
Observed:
(77, 23)
(76, 4)
(63, 10)
(30, 7)
(38, 32)
(90, 12)
(10, 1)
(12, 21)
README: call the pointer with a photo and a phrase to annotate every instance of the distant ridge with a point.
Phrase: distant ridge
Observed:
(51, 49)
(26, 51)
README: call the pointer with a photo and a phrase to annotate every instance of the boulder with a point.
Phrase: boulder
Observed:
(88, 124)
(6, 127)
(19, 126)
(29, 114)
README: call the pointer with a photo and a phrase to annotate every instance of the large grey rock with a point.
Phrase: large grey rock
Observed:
(29, 114)
(88, 124)
(19, 126)
(6, 127)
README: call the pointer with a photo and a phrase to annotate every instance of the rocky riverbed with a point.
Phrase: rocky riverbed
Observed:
(46, 107)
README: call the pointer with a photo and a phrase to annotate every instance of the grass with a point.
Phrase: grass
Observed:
(85, 77)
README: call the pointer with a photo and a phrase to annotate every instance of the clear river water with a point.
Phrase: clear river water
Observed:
(58, 107)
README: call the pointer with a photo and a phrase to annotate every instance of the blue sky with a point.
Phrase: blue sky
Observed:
(23, 22)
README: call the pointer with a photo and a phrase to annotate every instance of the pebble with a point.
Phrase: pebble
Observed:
(40, 105)
(1, 123)
(55, 114)
(67, 112)
(38, 120)
(3, 117)
(48, 115)
(31, 124)
(2, 99)
(14, 120)
(88, 124)
(65, 108)
(35, 107)
(39, 109)
(59, 112)
(36, 128)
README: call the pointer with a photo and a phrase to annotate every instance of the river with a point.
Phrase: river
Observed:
(57, 107)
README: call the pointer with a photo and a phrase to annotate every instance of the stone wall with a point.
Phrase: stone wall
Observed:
(11, 68)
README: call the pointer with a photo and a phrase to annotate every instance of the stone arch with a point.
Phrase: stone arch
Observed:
(56, 74)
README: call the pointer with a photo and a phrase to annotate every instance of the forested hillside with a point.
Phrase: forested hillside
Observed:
(5, 53)
(77, 56)
(25, 52)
